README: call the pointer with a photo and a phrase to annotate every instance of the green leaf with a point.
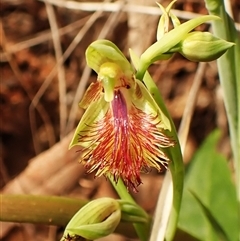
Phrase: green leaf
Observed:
(209, 177)
(229, 76)
(218, 229)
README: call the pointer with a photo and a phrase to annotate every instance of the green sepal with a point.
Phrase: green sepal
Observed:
(163, 24)
(102, 51)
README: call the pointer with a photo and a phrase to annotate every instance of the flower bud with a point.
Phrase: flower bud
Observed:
(96, 219)
(203, 47)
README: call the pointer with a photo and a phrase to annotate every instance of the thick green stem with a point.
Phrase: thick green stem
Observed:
(176, 165)
(229, 74)
(48, 210)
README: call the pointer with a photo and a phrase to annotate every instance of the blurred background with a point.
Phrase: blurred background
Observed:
(44, 75)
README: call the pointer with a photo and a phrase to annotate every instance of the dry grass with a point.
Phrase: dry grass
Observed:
(43, 77)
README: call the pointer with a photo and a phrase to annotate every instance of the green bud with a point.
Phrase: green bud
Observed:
(96, 219)
(203, 46)
(163, 24)
(168, 41)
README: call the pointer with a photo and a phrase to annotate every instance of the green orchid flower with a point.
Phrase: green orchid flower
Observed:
(123, 130)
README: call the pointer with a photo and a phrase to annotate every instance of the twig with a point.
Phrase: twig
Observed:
(60, 68)
(42, 37)
(41, 110)
(114, 7)
(71, 47)
(190, 105)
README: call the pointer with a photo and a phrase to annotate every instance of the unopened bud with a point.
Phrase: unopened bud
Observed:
(203, 47)
(96, 219)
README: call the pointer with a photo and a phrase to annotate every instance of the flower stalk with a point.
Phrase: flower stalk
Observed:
(126, 127)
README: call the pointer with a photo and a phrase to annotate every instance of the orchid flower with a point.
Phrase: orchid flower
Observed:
(123, 131)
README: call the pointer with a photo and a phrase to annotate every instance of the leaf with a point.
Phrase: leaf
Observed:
(210, 179)
(218, 229)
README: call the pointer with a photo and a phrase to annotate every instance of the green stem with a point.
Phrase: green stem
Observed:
(47, 210)
(176, 165)
(122, 190)
(229, 74)
(142, 229)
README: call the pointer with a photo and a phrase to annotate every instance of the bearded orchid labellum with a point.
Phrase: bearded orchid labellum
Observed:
(122, 131)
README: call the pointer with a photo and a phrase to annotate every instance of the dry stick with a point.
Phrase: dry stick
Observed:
(110, 24)
(41, 110)
(52, 233)
(35, 101)
(137, 38)
(228, 7)
(164, 204)
(77, 96)
(60, 68)
(189, 109)
(113, 7)
(42, 37)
